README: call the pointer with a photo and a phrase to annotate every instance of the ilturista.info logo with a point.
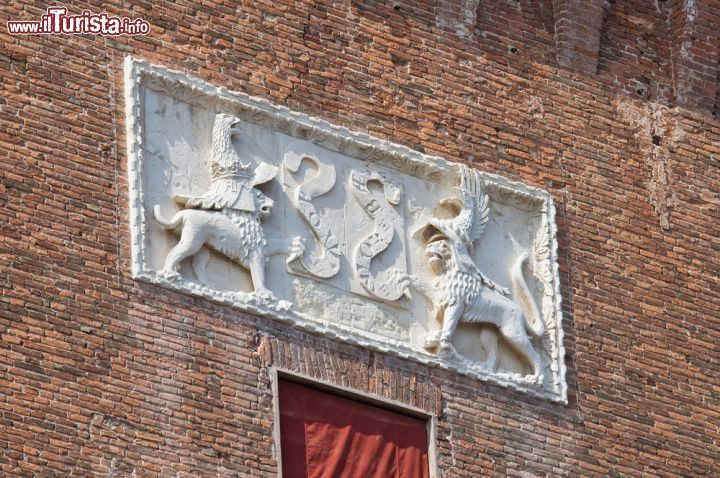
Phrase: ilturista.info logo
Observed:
(57, 22)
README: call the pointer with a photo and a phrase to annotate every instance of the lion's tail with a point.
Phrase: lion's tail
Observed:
(521, 293)
(171, 223)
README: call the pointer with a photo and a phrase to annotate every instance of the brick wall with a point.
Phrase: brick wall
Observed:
(104, 376)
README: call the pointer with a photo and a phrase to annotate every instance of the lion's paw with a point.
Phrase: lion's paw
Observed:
(446, 351)
(264, 293)
(284, 305)
(432, 340)
(403, 280)
(169, 275)
(267, 296)
(538, 378)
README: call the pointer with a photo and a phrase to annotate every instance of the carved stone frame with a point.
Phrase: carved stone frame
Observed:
(140, 75)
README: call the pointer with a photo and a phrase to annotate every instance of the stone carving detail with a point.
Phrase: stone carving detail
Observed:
(358, 239)
(387, 285)
(325, 263)
(460, 292)
(227, 217)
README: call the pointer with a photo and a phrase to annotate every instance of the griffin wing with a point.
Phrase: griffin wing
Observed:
(474, 214)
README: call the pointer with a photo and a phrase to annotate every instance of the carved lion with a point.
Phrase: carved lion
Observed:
(460, 293)
(236, 234)
(463, 295)
(227, 217)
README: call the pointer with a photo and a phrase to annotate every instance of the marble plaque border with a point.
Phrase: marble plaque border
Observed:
(140, 75)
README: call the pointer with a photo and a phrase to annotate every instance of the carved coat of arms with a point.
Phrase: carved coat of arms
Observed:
(284, 215)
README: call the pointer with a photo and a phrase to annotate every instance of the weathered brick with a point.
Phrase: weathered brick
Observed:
(611, 111)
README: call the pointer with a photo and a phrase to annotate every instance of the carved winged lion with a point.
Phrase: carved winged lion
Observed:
(227, 218)
(460, 293)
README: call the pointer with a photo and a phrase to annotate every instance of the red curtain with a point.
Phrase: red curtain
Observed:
(326, 436)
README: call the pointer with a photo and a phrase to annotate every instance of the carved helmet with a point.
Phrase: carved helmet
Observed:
(232, 180)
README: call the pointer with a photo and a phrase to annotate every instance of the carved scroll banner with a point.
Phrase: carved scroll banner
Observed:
(276, 213)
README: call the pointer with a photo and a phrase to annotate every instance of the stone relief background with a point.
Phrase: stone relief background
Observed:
(327, 177)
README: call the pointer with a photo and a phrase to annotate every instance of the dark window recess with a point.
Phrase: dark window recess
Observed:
(327, 436)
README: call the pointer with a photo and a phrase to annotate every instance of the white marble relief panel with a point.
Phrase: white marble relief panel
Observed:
(276, 213)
